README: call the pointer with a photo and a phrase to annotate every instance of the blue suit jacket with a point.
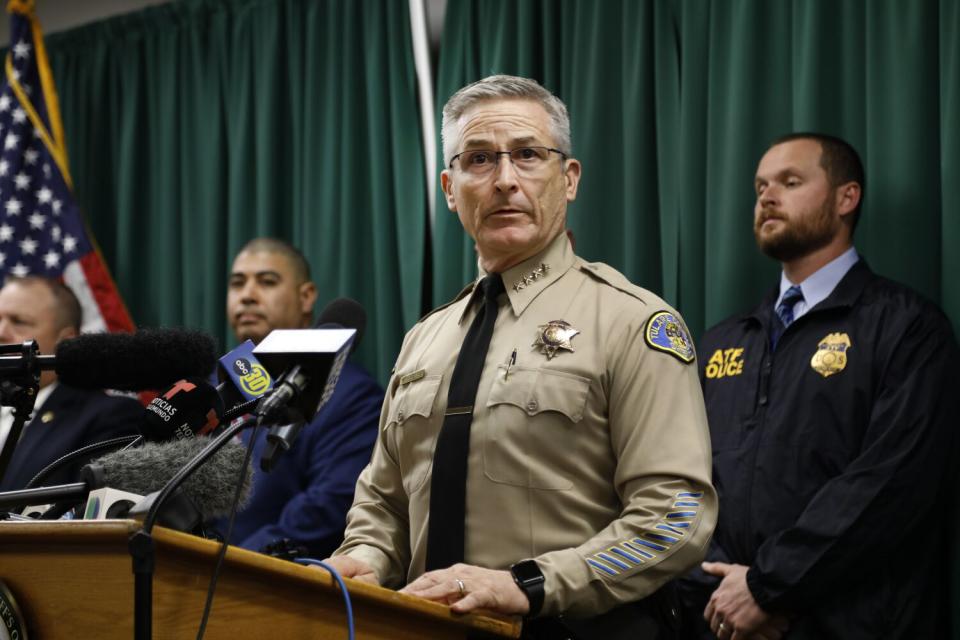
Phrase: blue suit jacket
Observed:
(307, 494)
(69, 419)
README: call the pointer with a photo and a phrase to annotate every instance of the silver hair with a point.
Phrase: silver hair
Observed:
(502, 86)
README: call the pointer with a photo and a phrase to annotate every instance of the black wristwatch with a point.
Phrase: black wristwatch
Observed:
(529, 578)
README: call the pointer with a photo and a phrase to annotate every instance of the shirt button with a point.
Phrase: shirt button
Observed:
(532, 406)
(400, 416)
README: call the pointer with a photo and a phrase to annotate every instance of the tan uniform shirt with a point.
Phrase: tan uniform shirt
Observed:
(595, 462)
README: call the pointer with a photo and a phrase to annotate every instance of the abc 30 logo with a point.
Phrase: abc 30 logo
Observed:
(254, 379)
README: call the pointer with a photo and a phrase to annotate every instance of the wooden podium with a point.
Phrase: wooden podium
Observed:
(74, 580)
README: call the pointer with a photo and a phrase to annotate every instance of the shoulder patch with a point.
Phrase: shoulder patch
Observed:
(608, 275)
(665, 332)
(467, 290)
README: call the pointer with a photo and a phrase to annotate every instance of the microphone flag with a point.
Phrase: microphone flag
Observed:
(250, 378)
(41, 229)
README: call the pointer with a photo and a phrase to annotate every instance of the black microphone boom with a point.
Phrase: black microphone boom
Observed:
(147, 359)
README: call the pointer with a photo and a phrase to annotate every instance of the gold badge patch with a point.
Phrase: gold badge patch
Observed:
(555, 335)
(831, 355)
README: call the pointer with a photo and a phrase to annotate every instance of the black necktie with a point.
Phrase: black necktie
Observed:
(448, 484)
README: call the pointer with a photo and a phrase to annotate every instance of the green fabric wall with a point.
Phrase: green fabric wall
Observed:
(673, 102)
(195, 126)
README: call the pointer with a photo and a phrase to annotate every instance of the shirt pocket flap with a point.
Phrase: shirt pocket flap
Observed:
(414, 399)
(537, 390)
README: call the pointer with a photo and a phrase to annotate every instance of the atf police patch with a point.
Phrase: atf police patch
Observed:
(665, 332)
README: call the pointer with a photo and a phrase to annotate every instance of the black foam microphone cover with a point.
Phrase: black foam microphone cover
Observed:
(147, 359)
(346, 313)
(190, 407)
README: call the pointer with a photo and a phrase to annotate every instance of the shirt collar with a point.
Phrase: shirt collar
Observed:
(43, 394)
(526, 280)
(823, 281)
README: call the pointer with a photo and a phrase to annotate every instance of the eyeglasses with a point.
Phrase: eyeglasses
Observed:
(525, 159)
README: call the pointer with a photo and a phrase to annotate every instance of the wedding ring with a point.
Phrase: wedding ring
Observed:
(461, 587)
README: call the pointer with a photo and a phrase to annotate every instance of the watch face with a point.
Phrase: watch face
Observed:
(527, 571)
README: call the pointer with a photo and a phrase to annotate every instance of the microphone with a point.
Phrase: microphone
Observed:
(322, 360)
(147, 469)
(242, 378)
(147, 359)
(326, 353)
(189, 408)
(344, 313)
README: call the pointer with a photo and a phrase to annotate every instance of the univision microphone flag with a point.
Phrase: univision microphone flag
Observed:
(41, 229)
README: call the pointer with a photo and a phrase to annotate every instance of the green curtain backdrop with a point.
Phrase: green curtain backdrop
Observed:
(672, 104)
(195, 126)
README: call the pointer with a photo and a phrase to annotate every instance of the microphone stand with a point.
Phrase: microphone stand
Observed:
(19, 383)
(140, 543)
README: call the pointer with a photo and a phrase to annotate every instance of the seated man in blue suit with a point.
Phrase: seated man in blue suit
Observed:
(64, 418)
(306, 496)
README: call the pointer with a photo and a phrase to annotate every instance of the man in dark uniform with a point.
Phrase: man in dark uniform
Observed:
(832, 408)
(64, 418)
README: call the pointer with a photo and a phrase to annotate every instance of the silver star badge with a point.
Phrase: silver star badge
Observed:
(553, 336)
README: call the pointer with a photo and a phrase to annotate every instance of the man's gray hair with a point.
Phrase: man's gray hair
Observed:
(501, 86)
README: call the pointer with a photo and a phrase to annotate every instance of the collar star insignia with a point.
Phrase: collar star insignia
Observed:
(531, 277)
(553, 336)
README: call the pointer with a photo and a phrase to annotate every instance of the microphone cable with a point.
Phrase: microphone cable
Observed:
(226, 538)
(96, 447)
(340, 583)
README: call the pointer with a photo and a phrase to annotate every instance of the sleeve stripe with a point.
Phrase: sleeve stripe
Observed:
(671, 529)
(629, 556)
(613, 561)
(645, 554)
(647, 543)
(663, 538)
(601, 567)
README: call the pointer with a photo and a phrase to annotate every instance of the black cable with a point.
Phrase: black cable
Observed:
(79, 453)
(226, 538)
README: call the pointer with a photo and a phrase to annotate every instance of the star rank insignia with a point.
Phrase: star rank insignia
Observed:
(553, 336)
(531, 277)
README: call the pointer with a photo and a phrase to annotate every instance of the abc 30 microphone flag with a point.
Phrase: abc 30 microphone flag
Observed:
(41, 229)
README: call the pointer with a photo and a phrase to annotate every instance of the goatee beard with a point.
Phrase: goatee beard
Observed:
(799, 237)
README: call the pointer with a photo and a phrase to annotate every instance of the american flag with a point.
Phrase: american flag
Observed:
(41, 229)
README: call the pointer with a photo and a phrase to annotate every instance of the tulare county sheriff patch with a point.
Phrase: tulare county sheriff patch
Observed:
(665, 332)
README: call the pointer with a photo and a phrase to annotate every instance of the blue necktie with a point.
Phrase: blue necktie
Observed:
(784, 310)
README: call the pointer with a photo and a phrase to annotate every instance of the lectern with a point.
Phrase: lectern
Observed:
(74, 580)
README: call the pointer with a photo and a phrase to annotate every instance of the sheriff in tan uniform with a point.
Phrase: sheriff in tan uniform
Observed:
(588, 447)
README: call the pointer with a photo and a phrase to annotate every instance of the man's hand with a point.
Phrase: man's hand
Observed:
(466, 588)
(732, 612)
(351, 568)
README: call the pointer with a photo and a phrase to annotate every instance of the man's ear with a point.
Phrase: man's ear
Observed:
(308, 297)
(446, 183)
(572, 175)
(847, 198)
(66, 333)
